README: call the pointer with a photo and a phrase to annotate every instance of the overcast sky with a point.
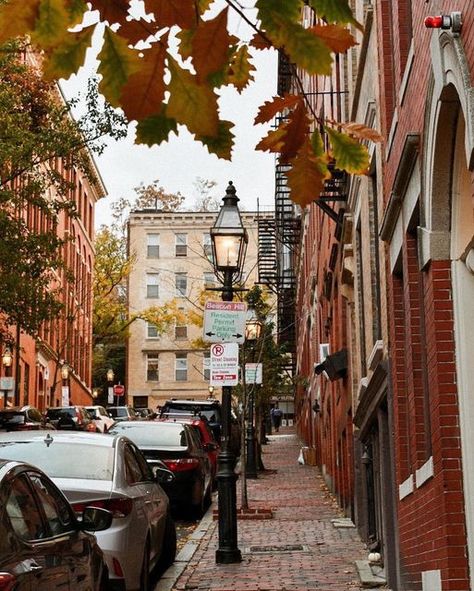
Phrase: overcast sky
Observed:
(177, 163)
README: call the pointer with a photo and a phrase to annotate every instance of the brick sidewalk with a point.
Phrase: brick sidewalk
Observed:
(303, 510)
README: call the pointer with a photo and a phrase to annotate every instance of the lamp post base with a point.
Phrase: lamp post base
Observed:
(228, 551)
(228, 556)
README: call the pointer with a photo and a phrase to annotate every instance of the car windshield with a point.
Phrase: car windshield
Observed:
(153, 435)
(118, 412)
(62, 459)
(57, 413)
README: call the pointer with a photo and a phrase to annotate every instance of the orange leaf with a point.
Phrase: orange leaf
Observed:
(136, 30)
(361, 131)
(337, 38)
(211, 45)
(113, 11)
(144, 91)
(306, 177)
(173, 12)
(297, 132)
(268, 110)
(273, 142)
(259, 42)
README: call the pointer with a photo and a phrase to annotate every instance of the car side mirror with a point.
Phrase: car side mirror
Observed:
(96, 519)
(162, 475)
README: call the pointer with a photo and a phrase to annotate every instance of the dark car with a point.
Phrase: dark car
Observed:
(25, 418)
(72, 418)
(43, 546)
(212, 411)
(177, 445)
(122, 413)
(206, 437)
(146, 414)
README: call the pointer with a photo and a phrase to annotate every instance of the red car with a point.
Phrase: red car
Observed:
(206, 437)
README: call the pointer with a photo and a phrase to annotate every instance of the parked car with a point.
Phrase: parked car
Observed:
(109, 473)
(206, 437)
(23, 418)
(211, 409)
(101, 418)
(122, 413)
(43, 546)
(146, 414)
(177, 445)
(71, 418)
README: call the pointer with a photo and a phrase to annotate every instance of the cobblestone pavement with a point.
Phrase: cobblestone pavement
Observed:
(303, 511)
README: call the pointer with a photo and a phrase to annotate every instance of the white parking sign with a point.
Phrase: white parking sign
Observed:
(224, 364)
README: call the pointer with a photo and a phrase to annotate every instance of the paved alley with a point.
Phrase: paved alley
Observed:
(306, 546)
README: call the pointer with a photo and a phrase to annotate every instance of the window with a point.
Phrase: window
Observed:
(181, 245)
(207, 245)
(181, 367)
(180, 332)
(152, 282)
(209, 279)
(56, 509)
(206, 366)
(133, 469)
(153, 246)
(181, 283)
(151, 331)
(152, 366)
(23, 512)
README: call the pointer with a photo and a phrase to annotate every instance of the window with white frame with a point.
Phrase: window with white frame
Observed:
(207, 245)
(152, 367)
(180, 329)
(153, 246)
(181, 245)
(152, 285)
(181, 284)
(151, 331)
(181, 367)
(209, 279)
(206, 366)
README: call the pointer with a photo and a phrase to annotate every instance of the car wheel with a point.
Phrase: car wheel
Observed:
(145, 574)
(168, 552)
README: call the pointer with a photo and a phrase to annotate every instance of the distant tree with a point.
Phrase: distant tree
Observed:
(36, 130)
(205, 200)
(153, 196)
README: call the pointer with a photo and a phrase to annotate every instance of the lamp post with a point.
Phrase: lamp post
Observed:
(252, 333)
(110, 390)
(229, 243)
(65, 369)
(7, 360)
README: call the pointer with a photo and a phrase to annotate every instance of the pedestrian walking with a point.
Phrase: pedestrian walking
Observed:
(276, 413)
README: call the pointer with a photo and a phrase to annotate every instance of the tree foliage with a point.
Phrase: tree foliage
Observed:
(36, 132)
(167, 69)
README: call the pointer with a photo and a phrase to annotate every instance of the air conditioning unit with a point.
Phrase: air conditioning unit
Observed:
(323, 351)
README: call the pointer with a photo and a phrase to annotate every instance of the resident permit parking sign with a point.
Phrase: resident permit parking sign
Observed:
(224, 364)
(224, 322)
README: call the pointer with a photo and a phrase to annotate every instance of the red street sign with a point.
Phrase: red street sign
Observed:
(119, 390)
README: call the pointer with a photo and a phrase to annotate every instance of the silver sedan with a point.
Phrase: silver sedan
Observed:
(108, 472)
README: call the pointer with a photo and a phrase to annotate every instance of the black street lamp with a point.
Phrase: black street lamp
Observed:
(7, 360)
(229, 243)
(252, 333)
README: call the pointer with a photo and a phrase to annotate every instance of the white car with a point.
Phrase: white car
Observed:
(108, 472)
(101, 418)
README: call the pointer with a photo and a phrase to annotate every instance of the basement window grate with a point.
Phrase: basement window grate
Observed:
(276, 548)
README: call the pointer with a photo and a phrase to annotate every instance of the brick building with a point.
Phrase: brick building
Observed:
(387, 278)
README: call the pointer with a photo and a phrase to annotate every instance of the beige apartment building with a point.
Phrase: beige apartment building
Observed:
(174, 262)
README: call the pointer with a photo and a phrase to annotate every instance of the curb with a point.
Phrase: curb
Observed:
(172, 574)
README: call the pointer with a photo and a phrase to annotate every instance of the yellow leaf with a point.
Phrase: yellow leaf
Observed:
(273, 142)
(337, 38)
(144, 91)
(221, 145)
(349, 154)
(362, 131)
(52, 23)
(241, 69)
(117, 63)
(190, 103)
(17, 17)
(306, 177)
(69, 56)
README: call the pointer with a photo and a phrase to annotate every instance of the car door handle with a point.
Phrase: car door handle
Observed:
(34, 567)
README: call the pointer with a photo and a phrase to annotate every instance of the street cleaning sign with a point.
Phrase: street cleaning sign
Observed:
(253, 373)
(224, 364)
(224, 322)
